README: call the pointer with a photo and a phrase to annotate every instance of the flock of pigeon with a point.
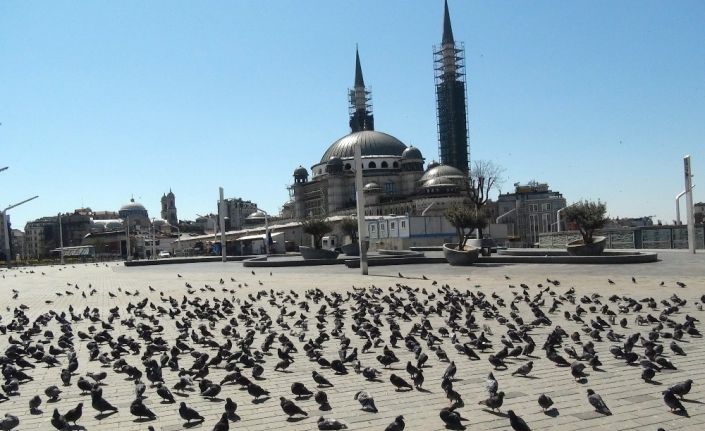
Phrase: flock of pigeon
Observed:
(171, 348)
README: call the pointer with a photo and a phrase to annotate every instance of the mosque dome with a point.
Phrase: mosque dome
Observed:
(411, 153)
(442, 171)
(439, 182)
(133, 206)
(301, 172)
(372, 188)
(373, 143)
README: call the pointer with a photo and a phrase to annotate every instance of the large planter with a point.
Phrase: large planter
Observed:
(466, 256)
(579, 248)
(486, 245)
(352, 249)
(310, 253)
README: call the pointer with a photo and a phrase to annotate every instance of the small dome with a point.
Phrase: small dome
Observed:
(301, 172)
(159, 222)
(442, 171)
(335, 161)
(133, 206)
(372, 143)
(412, 153)
(433, 164)
(372, 187)
(439, 182)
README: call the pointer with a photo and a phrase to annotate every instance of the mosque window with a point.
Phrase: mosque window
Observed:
(385, 165)
(389, 188)
(372, 165)
(347, 166)
(395, 165)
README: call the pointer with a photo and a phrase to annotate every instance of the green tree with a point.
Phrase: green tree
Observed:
(588, 217)
(349, 227)
(465, 219)
(318, 228)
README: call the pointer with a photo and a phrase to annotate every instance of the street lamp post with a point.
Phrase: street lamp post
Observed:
(6, 230)
(360, 198)
(221, 215)
(61, 239)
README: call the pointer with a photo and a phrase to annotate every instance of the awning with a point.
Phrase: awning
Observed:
(254, 237)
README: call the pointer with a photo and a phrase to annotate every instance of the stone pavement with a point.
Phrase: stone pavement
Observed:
(634, 403)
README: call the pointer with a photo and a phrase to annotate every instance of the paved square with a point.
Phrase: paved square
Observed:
(246, 307)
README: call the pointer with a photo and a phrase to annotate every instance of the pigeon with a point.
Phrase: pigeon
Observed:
(397, 425)
(681, 389)
(517, 423)
(223, 423)
(58, 421)
(189, 414)
(677, 349)
(399, 382)
(330, 424)
(34, 404)
(165, 393)
(366, 401)
(451, 418)
(230, 407)
(450, 371)
(597, 402)
(137, 408)
(9, 422)
(290, 408)
(52, 392)
(525, 369)
(101, 404)
(322, 399)
(491, 384)
(673, 402)
(300, 390)
(256, 391)
(494, 401)
(545, 402)
(320, 380)
(74, 414)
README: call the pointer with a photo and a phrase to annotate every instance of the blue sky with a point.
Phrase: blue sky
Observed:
(102, 100)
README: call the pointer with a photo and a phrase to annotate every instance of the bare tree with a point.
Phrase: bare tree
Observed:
(484, 176)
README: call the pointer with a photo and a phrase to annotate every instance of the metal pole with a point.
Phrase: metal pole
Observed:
(221, 210)
(360, 197)
(153, 235)
(266, 232)
(61, 239)
(128, 253)
(689, 203)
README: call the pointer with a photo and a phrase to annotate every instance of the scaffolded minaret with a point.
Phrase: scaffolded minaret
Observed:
(451, 100)
(361, 117)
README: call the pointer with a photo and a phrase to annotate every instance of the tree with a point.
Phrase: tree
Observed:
(465, 219)
(588, 216)
(318, 228)
(484, 177)
(349, 227)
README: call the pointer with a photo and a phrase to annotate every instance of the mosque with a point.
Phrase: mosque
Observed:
(396, 181)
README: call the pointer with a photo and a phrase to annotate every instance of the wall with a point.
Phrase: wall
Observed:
(648, 237)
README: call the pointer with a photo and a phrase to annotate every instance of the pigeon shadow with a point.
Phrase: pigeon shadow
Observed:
(144, 419)
(56, 400)
(181, 394)
(215, 399)
(691, 401)
(76, 427)
(456, 427)
(36, 412)
(530, 377)
(654, 382)
(233, 417)
(102, 416)
(553, 412)
(193, 424)
(500, 414)
(682, 413)
(424, 390)
(259, 400)
(299, 419)
(325, 407)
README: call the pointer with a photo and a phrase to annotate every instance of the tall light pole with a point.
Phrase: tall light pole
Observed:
(6, 230)
(360, 198)
(221, 215)
(689, 203)
(61, 239)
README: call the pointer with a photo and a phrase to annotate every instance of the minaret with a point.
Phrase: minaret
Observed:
(451, 103)
(361, 117)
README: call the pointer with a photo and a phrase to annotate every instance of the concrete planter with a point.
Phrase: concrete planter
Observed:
(486, 245)
(309, 253)
(467, 256)
(579, 248)
(352, 249)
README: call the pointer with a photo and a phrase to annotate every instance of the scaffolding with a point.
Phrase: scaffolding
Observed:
(451, 105)
(360, 109)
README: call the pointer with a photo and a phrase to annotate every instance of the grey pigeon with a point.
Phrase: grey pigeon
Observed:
(545, 401)
(52, 392)
(681, 389)
(74, 414)
(495, 401)
(397, 425)
(673, 402)
(189, 414)
(367, 402)
(9, 422)
(451, 418)
(223, 424)
(137, 408)
(596, 401)
(525, 369)
(330, 424)
(290, 408)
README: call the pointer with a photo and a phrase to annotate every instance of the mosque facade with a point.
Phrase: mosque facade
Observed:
(396, 179)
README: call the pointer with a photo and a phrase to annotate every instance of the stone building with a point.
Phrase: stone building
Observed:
(168, 212)
(395, 180)
(136, 214)
(529, 211)
(237, 210)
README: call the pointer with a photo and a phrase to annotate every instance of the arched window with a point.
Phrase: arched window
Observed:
(372, 165)
(347, 166)
(395, 165)
(385, 165)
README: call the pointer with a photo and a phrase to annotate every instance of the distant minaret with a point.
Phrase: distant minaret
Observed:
(361, 117)
(451, 103)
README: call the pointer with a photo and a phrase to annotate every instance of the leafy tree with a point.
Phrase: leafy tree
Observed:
(588, 216)
(465, 219)
(318, 228)
(349, 227)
